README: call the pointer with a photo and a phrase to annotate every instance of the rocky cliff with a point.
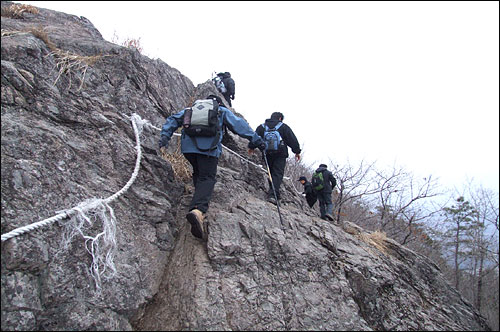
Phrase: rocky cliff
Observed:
(68, 136)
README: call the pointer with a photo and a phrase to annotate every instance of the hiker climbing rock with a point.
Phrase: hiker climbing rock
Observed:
(219, 84)
(323, 183)
(278, 137)
(201, 138)
(226, 86)
(308, 192)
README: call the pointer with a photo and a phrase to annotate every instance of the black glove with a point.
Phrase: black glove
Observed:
(263, 146)
(163, 142)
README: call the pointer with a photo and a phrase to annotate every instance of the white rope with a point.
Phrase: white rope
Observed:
(136, 121)
(228, 149)
(242, 158)
(66, 213)
(225, 147)
(135, 118)
(102, 247)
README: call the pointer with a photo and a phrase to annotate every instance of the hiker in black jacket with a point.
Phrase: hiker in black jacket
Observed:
(309, 192)
(325, 194)
(230, 88)
(277, 160)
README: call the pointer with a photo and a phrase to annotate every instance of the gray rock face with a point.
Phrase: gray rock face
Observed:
(67, 142)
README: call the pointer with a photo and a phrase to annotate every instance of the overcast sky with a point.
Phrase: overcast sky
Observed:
(412, 84)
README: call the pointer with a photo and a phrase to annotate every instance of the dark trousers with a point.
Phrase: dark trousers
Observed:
(228, 98)
(277, 168)
(325, 203)
(204, 179)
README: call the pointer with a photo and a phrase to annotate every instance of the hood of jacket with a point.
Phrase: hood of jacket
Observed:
(321, 169)
(272, 122)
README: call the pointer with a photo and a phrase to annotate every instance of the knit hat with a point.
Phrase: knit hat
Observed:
(302, 178)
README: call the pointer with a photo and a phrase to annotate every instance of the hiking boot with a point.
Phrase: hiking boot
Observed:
(195, 218)
(328, 217)
(271, 199)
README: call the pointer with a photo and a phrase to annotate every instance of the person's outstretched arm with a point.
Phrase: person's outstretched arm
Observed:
(242, 128)
(171, 124)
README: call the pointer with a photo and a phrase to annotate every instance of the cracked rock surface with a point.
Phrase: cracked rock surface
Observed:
(67, 137)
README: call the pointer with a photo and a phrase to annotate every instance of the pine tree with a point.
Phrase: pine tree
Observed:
(461, 217)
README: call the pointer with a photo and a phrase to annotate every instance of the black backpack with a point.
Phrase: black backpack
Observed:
(202, 119)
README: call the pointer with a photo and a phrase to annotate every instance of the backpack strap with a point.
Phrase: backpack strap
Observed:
(266, 128)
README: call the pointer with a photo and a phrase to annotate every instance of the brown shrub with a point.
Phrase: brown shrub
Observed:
(17, 10)
(133, 43)
(180, 166)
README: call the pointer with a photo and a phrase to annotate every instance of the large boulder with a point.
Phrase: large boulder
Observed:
(68, 139)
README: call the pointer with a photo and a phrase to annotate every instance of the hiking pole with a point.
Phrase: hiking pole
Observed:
(272, 185)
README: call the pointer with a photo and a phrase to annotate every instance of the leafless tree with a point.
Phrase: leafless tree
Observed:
(296, 169)
(404, 201)
(353, 183)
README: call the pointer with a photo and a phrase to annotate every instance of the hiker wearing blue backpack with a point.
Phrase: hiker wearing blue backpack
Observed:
(323, 183)
(201, 138)
(278, 137)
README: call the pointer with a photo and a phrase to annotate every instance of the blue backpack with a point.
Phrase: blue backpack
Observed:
(219, 84)
(272, 137)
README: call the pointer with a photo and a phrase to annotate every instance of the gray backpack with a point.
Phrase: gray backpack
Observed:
(202, 119)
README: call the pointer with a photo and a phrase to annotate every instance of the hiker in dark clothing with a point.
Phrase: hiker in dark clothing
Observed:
(230, 87)
(308, 192)
(277, 160)
(325, 194)
(219, 84)
(203, 153)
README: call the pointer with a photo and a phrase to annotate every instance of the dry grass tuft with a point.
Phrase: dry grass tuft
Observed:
(17, 10)
(133, 43)
(69, 63)
(180, 166)
(7, 33)
(66, 62)
(376, 239)
(40, 33)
